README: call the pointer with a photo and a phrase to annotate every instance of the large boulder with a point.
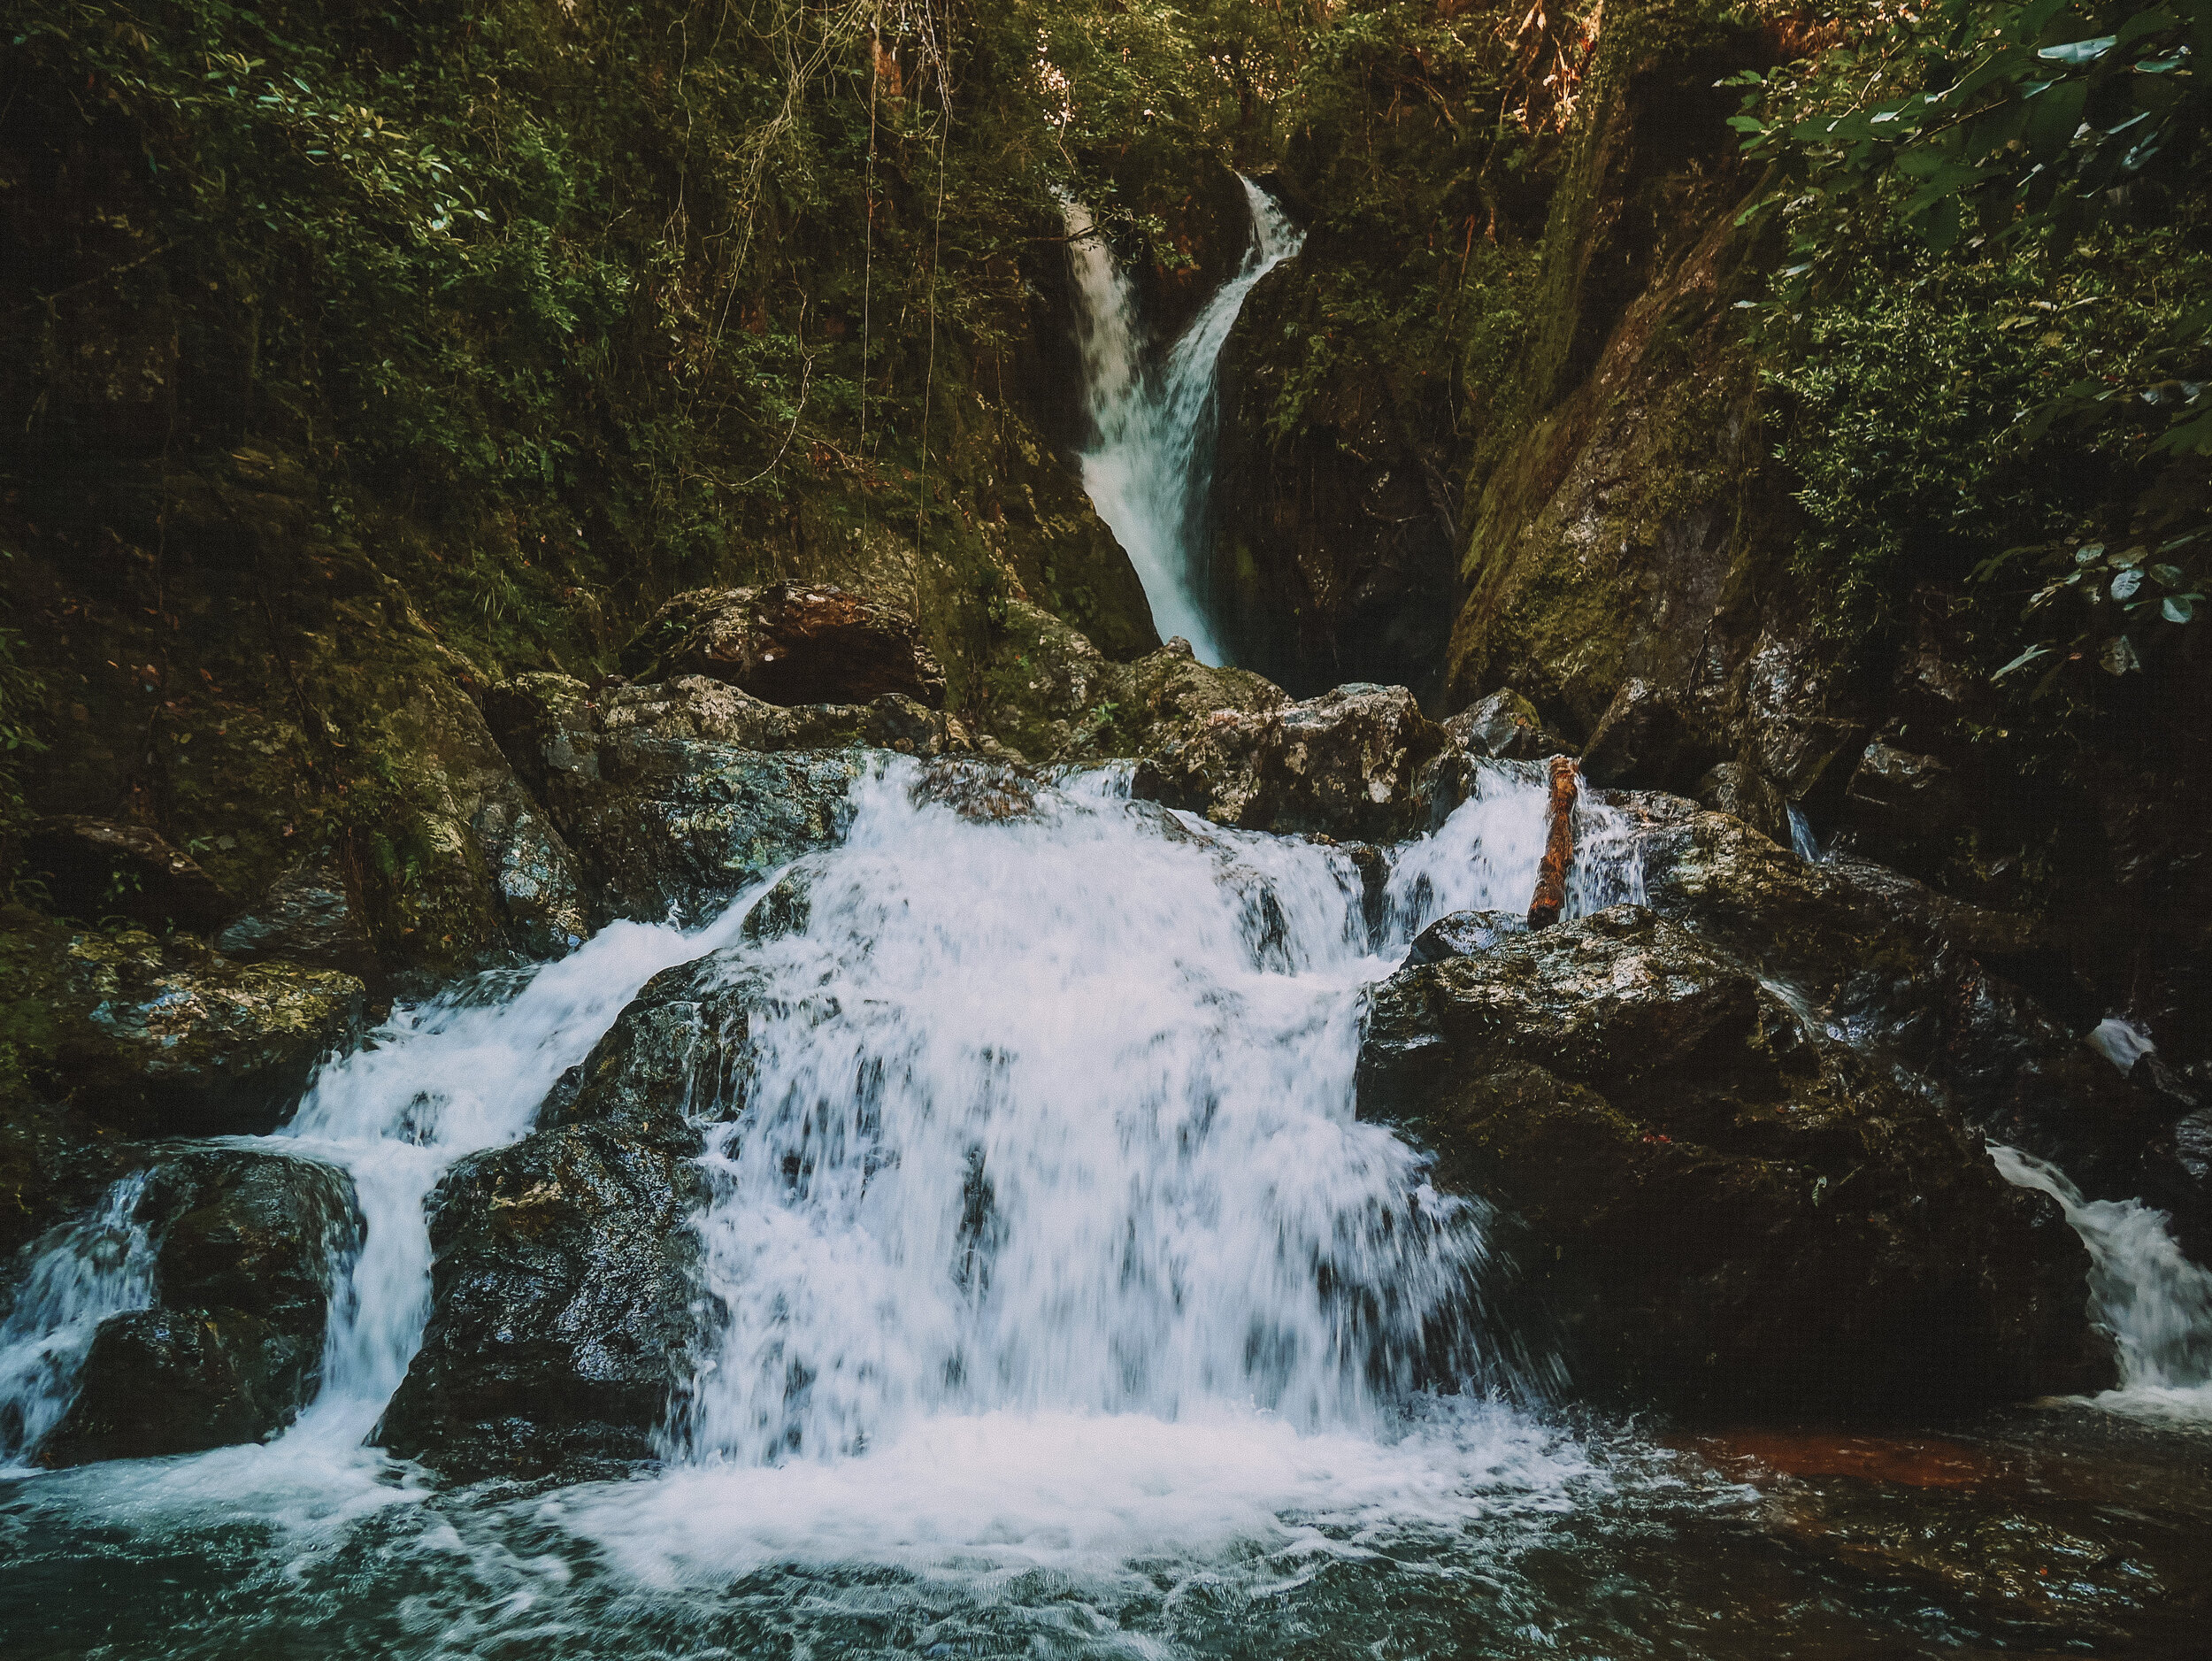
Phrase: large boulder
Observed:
(1052, 696)
(167, 1035)
(676, 795)
(567, 1309)
(1505, 727)
(1980, 1002)
(1347, 763)
(246, 1244)
(304, 917)
(1726, 1211)
(791, 643)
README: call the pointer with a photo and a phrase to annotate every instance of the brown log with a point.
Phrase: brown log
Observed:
(1559, 845)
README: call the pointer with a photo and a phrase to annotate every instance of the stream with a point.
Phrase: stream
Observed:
(1064, 1307)
(1071, 1312)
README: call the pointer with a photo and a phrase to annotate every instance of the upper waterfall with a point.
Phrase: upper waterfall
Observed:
(1151, 456)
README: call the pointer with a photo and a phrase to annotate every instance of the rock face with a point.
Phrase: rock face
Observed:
(1347, 765)
(168, 1033)
(791, 643)
(1334, 546)
(246, 1242)
(566, 1307)
(676, 795)
(1726, 1212)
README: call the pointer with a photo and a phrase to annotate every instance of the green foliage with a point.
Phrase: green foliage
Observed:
(2011, 117)
(1996, 315)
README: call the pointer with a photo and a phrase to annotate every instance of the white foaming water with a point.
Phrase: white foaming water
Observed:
(2121, 1043)
(434, 1084)
(1046, 1232)
(1149, 468)
(2157, 1304)
(82, 1272)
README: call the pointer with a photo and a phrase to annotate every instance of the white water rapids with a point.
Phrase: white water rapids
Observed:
(1048, 1241)
(1149, 465)
(1047, 1232)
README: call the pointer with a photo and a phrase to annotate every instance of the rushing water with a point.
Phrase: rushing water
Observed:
(1151, 464)
(2155, 1302)
(82, 1272)
(1068, 1312)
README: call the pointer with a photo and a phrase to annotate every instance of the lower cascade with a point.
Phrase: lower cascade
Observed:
(1043, 1264)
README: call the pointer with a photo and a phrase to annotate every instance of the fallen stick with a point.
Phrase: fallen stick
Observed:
(1559, 845)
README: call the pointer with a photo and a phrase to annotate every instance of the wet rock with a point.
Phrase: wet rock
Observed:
(1463, 933)
(1346, 764)
(247, 1242)
(564, 1305)
(674, 795)
(793, 643)
(1735, 787)
(304, 918)
(1505, 727)
(167, 1033)
(1641, 739)
(1898, 799)
(1734, 1212)
(680, 1049)
(98, 868)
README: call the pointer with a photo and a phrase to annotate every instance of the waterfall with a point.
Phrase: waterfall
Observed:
(2157, 1304)
(82, 1272)
(1149, 465)
(1049, 1115)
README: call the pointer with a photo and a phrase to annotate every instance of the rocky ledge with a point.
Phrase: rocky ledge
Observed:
(1726, 1211)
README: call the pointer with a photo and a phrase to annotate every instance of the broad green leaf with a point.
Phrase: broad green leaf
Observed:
(2118, 656)
(2022, 661)
(2080, 52)
(2178, 608)
(2125, 584)
(2052, 118)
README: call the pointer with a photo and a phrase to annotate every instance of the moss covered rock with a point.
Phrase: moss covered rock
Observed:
(1726, 1211)
(167, 1035)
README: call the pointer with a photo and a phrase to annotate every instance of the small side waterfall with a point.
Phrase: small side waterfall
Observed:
(2157, 1304)
(435, 1083)
(1148, 470)
(82, 1272)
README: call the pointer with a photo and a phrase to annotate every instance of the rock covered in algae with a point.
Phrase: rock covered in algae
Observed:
(790, 644)
(1725, 1211)
(1347, 763)
(166, 1033)
(247, 1242)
